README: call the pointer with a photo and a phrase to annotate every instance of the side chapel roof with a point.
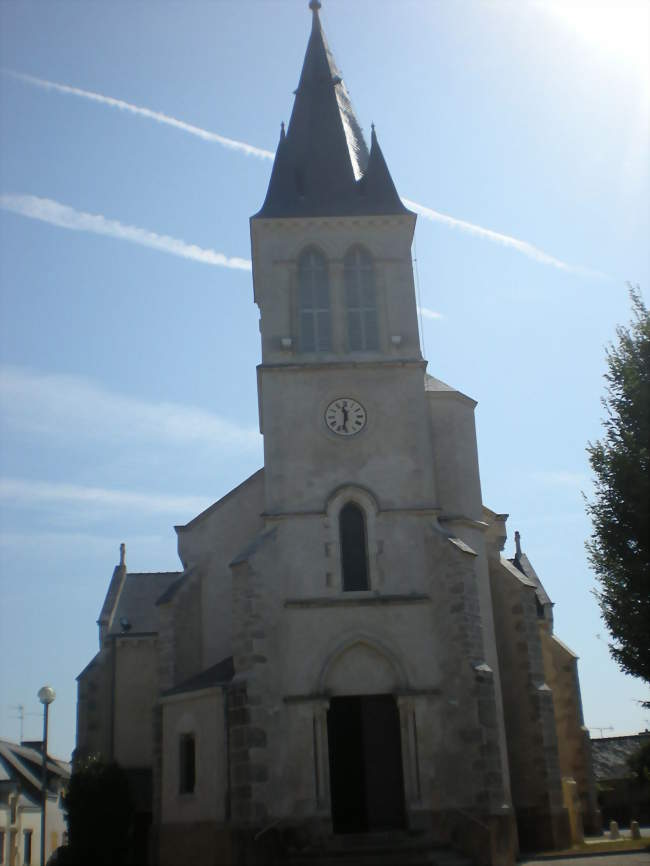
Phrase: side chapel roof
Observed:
(129, 606)
(521, 561)
(322, 165)
(136, 607)
(217, 675)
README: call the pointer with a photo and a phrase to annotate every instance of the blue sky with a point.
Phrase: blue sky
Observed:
(128, 332)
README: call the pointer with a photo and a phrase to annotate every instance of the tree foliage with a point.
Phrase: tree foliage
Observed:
(619, 548)
(639, 763)
(99, 814)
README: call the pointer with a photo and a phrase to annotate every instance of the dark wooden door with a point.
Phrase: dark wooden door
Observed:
(365, 756)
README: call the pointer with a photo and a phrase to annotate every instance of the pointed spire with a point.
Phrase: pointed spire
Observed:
(315, 173)
(377, 185)
(322, 165)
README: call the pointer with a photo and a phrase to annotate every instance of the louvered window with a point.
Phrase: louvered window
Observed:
(361, 304)
(314, 303)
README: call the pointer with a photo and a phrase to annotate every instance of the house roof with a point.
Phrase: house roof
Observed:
(610, 755)
(22, 764)
(217, 675)
(136, 606)
(322, 165)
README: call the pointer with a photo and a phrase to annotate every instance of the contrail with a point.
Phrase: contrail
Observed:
(53, 212)
(524, 247)
(158, 116)
(426, 313)
(20, 491)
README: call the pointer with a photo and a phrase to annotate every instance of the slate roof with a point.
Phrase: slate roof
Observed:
(516, 572)
(322, 165)
(173, 588)
(137, 601)
(610, 755)
(217, 675)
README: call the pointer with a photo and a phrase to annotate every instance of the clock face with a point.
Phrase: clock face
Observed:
(345, 416)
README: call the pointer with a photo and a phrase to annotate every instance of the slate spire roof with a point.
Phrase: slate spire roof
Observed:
(322, 165)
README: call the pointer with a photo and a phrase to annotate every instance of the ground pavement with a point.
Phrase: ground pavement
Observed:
(623, 858)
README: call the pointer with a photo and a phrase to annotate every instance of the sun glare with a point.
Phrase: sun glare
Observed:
(619, 30)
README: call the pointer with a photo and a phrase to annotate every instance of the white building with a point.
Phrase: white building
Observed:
(21, 803)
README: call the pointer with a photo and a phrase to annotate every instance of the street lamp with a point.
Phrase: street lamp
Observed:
(45, 695)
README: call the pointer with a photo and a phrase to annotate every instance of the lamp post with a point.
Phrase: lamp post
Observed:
(45, 695)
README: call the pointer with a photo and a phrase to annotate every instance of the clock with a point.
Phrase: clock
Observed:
(345, 416)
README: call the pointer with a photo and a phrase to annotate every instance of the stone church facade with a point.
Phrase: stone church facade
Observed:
(345, 650)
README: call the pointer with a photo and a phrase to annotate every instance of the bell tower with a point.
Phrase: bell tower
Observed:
(341, 394)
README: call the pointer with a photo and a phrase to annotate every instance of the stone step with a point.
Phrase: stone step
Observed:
(378, 849)
(378, 858)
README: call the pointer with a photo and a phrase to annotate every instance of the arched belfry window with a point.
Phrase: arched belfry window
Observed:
(354, 552)
(314, 303)
(360, 300)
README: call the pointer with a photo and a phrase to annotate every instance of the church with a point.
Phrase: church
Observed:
(345, 654)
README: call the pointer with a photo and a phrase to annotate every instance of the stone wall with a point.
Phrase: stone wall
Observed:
(135, 694)
(574, 750)
(202, 715)
(95, 706)
(529, 714)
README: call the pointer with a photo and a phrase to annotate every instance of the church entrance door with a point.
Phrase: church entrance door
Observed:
(365, 756)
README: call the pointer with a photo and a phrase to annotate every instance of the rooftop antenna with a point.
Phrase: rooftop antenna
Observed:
(597, 728)
(21, 715)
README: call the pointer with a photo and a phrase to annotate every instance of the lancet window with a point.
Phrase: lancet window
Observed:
(354, 549)
(314, 303)
(187, 763)
(361, 303)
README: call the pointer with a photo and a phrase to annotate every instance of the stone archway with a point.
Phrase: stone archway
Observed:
(364, 739)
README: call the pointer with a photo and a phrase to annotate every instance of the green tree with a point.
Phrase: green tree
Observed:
(619, 547)
(99, 814)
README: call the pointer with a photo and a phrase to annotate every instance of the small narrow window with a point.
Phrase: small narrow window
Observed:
(314, 303)
(359, 278)
(2, 846)
(27, 853)
(187, 754)
(354, 555)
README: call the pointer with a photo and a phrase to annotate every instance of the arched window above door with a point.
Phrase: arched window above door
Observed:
(354, 548)
(360, 301)
(314, 303)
